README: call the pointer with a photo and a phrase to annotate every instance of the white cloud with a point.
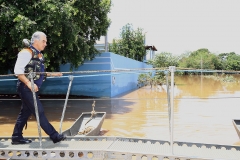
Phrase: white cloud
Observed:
(177, 26)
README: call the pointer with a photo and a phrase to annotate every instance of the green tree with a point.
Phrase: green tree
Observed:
(230, 61)
(200, 59)
(130, 44)
(164, 59)
(72, 28)
(145, 79)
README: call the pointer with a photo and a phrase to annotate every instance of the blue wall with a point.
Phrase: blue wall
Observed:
(8, 85)
(125, 82)
(99, 84)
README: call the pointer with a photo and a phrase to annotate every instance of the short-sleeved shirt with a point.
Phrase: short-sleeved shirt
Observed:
(23, 59)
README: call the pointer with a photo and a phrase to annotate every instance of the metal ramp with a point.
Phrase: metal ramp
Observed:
(115, 148)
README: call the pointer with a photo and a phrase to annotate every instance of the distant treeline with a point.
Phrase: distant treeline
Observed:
(200, 59)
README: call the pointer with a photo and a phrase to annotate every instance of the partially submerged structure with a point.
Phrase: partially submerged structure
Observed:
(104, 79)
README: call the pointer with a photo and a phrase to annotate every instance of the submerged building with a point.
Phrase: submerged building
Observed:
(113, 75)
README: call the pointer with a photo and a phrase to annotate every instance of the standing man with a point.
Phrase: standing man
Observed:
(31, 60)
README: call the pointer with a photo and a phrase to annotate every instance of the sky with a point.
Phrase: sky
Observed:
(180, 26)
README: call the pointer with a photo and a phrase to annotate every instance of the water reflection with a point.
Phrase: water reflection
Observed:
(203, 87)
(203, 112)
(203, 107)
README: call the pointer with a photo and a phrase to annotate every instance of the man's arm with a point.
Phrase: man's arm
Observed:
(54, 74)
(24, 79)
(23, 58)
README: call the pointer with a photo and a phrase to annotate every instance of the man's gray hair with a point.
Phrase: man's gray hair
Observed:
(37, 35)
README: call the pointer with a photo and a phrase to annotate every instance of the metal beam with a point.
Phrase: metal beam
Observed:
(99, 148)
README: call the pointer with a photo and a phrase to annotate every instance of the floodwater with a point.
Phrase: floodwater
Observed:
(203, 112)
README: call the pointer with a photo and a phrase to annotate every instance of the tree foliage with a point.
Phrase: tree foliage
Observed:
(145, 79)
(130, 44)
(164, 59)
(72, 28)
(200, 59)
(230, 61)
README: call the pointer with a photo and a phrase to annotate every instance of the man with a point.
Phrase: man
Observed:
(28, 61)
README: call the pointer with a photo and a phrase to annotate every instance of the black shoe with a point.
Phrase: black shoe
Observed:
(61, 137)
(22, 141)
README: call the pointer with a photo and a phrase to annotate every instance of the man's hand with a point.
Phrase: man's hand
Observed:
(56, 74)
(29, 85)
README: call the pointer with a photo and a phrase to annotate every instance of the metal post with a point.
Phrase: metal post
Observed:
(201, 65)
(169, 103)
(201, 75)
(172, 70)
(36, 109)
(65, 104)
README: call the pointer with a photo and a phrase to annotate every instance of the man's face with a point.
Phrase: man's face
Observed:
(40, 44)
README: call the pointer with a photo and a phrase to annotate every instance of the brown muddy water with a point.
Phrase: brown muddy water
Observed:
(203, 112)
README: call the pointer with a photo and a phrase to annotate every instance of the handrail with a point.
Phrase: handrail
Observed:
(177, 69)
(65, 104)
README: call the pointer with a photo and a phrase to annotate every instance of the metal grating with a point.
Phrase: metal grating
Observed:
(115, 148)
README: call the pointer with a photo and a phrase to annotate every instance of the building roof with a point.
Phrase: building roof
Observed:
(151, 47)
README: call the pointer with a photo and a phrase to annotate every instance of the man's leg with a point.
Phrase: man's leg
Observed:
(44, 123)
(23, 116)
(21, 121)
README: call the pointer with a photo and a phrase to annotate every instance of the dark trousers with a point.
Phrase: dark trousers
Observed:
(27, 109)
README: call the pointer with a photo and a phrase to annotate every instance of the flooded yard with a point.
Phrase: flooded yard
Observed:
(203, 112)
